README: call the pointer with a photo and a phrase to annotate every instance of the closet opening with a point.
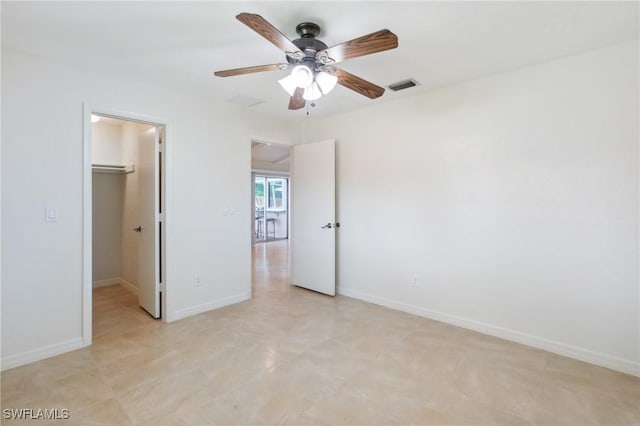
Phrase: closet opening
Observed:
(125, 158)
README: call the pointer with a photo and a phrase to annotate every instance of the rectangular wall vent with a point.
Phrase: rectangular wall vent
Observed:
(404, 84)
(245, 100)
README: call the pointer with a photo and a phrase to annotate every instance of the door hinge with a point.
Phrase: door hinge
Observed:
(160, 217)
(160, 147)
(161, 287)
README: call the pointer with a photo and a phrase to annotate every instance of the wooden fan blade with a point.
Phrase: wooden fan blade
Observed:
(247, 70)
(297, 101)
(260, 25)
(358, 84)
(371, 43)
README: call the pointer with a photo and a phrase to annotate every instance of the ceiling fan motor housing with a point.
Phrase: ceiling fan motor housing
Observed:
(308, 29)
(308, 43)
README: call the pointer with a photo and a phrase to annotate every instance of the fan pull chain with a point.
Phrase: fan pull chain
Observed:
(310, 104)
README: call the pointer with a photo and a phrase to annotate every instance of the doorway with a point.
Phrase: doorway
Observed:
(125, 165)
(270, 224)
(270, 196)
(271, 199)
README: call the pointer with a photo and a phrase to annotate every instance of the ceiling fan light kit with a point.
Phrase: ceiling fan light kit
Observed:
(302, 76)
(326, 81)
(313, 73)
(288, 84)
(312, 92)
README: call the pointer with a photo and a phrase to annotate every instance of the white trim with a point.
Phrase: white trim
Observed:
(167, 211)
(263, 172)
(252, 218)
(87, 284)
(560, 348)
(269, 141)
(87, 228)
(209, 306)
(38, 354)
(127, 285)
(106, 282)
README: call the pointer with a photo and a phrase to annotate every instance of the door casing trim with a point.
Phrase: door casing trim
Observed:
(87, 193)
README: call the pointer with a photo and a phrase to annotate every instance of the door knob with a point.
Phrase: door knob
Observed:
(328, 225)
(138, 229)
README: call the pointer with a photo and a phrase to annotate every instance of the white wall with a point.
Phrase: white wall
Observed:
(107, 205)
(513, 199)
(267, 165)
(42, 166)
(106, 143)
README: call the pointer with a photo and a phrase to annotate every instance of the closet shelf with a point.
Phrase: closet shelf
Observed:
(112, 168)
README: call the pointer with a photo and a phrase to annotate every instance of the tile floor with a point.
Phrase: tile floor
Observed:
(294, 357)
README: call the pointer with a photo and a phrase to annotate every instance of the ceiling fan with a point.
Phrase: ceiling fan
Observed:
(313, 73)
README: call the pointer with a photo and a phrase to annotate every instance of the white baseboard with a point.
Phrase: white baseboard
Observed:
(582, 354)
(38, 354)
(115, 281)
(209, 306)
(106, 283)
(128, 285)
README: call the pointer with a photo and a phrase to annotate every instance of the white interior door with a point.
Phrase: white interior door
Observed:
(313, 222)
(148, 248)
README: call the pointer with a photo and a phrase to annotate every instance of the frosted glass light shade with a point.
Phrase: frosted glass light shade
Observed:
(312, 92)
(326, 81)
(302, 76)
(288, 84)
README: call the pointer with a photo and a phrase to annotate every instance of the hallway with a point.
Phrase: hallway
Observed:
(270, 262)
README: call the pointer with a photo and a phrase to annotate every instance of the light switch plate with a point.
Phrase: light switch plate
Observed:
(50, 214)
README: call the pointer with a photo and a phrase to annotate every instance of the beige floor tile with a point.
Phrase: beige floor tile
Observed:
(223, 410)
(576, 399)
(41, 374)
(503, 387)
(80, 390)
(161, 397)
(563, 371)
(294, 357)
(108, 412)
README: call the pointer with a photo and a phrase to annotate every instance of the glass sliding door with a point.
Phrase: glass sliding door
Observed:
(259, 194)
(271, 208)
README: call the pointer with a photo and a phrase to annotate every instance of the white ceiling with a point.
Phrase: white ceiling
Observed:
(179, 44)
(268, 153)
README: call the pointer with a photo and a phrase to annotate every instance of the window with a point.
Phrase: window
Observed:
(277, 193)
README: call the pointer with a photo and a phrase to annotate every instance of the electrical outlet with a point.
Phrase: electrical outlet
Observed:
(196, 281)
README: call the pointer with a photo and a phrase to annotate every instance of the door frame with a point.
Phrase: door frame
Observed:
(87, 197)
(267, 174)
(273, 173)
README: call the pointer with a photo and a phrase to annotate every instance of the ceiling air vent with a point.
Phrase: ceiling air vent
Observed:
(404, 84)
(244, 100)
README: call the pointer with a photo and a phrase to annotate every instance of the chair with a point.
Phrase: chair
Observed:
(259, 216)
(271, 220)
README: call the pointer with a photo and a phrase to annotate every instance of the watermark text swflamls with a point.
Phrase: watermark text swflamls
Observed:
(35, 413)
